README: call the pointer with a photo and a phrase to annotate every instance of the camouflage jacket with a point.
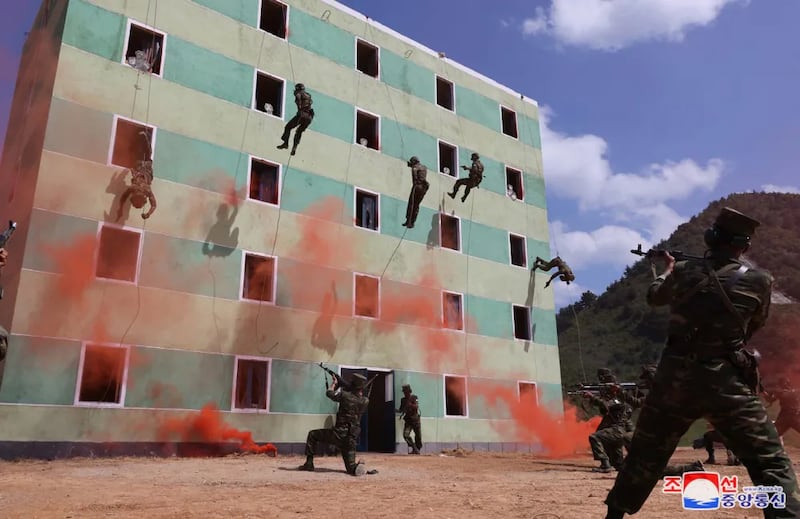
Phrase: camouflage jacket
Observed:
(419, 174)
(351, 407)
(700, 320)
(409, 407)
(614, 411)
(476, 170)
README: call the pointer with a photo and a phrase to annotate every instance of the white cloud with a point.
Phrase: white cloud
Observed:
(772, 188)
(614, 24)
(608, 245)
(577, 167)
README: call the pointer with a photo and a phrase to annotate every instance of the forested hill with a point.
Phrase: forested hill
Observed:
(618, 330)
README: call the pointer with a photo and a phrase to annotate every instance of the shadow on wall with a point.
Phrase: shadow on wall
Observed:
(117, 186)
(433, 234)
(222, 238)
(322, 336)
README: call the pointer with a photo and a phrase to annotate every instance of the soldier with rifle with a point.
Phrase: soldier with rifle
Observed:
(716, 304)
(409, 412)
(789, 398)
(345, 432)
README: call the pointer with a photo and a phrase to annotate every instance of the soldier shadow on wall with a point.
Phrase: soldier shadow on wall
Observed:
(433, 234)
(222, 239)
(529, 303)
(117, 186)
(322, 336)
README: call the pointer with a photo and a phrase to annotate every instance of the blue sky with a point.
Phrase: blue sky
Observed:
(651, 108)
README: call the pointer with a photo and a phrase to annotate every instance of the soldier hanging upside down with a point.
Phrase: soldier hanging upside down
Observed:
(302, 120)
(563, 272)
(140, 190)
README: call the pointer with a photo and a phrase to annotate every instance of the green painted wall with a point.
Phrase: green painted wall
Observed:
(200, 69)
(299, 387)
(428, 387)
(89, 140)
(189, 65)
(245, 11)
(40, 371)
(160, 378)
(50, 230)
(90, 27)
(407, 76)
(544, 322)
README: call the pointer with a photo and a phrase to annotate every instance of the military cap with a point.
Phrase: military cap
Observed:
(357, 381)
(648, 371)
(406, 387)
(299, 86)
(475, 156)
(736, 223)
(603, 372)
(413, 160)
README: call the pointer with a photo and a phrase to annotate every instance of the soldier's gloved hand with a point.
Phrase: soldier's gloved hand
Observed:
(3, 256)
(587, 394)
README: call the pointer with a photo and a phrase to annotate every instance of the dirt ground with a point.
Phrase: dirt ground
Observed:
(454, 485)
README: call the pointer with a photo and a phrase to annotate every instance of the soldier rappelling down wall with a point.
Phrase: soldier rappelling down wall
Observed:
(141, 188)
(472, 181)
(419, 186)
(302, 119)
(563, 272)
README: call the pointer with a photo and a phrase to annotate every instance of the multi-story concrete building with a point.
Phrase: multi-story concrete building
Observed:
(118, 324)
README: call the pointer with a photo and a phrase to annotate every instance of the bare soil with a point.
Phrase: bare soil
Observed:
(454, 485)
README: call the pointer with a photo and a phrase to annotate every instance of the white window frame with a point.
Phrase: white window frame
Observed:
(131, 22)
(236, 360)
(521, 182)
(286, 27)
(460, 248)
(524, 250)
(355, 275)
(456, 166)
(466, 396)
(243, 299)
(77, 402)
(530, 323)
(116, 118)
(377, 209)
(374, 46)
(135, 230)
(536, 390)
(436, 79)
(516, 122)
(250, 176)
(256, 73)
(355, 128)
(461, 298)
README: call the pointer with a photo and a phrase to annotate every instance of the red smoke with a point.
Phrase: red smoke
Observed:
(207, 426)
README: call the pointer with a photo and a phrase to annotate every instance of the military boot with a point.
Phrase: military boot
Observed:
(696, 466)
(604, 467)
(414, 450)
(284, 145)
(308, 465)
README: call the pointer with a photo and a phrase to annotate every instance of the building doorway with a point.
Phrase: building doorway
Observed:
(377, 424)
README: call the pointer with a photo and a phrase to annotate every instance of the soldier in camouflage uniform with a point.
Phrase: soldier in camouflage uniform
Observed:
(564, 273)
(705, 372)
(419, 186)
(472, 181)
(141, 188)
(707, 442)
(302, 119)
(347, 428)
(409, 409)
(789, 398)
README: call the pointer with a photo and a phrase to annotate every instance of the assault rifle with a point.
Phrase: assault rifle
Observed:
(344, 385)
(4, 237)
(601, 388)
(652, 254)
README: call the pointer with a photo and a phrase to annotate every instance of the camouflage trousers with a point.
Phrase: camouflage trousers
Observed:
(414, 426)
(345, 442)
(607, 444)
(685, 391)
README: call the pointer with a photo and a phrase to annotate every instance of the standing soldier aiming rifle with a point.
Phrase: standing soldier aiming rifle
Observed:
(716, 304)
